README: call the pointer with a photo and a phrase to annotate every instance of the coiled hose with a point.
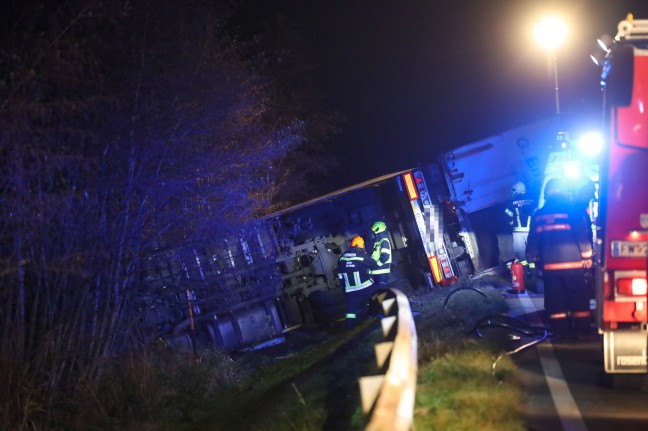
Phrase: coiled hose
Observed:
(514, 326)
(506, 322)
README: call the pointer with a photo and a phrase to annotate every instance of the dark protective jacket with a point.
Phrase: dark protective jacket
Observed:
(382, 253)
(559, 237)
(354, 269)
(518, 214)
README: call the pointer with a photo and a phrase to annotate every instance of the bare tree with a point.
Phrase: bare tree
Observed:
(124, 126)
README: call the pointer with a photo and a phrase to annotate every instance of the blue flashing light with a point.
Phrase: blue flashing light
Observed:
(572, 169)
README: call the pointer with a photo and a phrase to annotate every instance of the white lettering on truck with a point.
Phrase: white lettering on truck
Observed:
(633, 360)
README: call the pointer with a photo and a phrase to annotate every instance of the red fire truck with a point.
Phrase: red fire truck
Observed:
(622, 231)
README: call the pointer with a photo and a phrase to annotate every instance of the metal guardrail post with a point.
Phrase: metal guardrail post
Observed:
(388, 399)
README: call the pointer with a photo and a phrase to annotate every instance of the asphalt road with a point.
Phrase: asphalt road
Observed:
(565, 389)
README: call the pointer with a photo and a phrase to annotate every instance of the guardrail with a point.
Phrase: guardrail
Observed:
(388, 399)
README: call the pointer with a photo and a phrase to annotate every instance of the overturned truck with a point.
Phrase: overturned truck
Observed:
(279, 274)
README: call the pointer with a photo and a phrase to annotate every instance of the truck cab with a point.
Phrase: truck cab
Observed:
(622, 228)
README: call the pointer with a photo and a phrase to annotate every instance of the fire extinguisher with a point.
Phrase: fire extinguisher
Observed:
(517, 271)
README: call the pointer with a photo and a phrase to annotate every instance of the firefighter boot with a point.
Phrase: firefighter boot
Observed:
(350, 321)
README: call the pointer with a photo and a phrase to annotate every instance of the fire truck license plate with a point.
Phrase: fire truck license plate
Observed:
(629, 249)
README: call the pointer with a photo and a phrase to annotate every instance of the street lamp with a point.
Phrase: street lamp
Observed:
(550, 33)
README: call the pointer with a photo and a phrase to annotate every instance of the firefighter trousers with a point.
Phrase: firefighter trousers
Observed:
(567, 301)
(358, 303)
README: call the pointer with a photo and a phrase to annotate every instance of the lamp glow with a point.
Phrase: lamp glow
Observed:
(551, 32)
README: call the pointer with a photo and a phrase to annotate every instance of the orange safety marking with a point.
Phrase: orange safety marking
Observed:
(562, 265)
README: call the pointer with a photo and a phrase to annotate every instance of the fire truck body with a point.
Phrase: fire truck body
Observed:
(622, 230)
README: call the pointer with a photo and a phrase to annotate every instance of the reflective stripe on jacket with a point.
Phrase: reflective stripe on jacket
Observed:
(518, 214)
(382, 254)
(354, 269)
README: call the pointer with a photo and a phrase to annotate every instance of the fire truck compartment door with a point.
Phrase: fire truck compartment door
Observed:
(625, 351)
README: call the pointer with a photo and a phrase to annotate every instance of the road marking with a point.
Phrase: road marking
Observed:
(568, 412)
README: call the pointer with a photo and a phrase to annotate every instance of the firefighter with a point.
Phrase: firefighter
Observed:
(354, 269)
(558, 243)
(382, 252)
(518, 218)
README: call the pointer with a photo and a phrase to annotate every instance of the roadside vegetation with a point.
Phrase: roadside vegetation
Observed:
(310, 381)
(457, 388)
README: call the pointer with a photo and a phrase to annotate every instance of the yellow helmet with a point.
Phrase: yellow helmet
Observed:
(357, 242)
(378, 227)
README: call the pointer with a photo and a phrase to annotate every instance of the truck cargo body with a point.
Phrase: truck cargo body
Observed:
(279, 274)
(480, 175)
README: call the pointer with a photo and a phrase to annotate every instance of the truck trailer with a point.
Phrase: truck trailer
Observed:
(279, 273)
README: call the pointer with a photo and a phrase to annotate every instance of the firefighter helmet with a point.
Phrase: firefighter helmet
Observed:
(518, 189)
(378, 227)
(357, 241)
(556, 187)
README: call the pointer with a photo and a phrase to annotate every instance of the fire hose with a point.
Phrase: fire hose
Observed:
(515, 326)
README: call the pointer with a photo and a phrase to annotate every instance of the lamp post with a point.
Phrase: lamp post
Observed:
(550, 32)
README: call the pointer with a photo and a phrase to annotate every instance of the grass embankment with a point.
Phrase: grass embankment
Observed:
(311, 383)
(312, 390)
(456, 389)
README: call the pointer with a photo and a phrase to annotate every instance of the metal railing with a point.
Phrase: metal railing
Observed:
(388, 398)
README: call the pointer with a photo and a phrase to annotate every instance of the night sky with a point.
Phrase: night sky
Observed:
(414, 78)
